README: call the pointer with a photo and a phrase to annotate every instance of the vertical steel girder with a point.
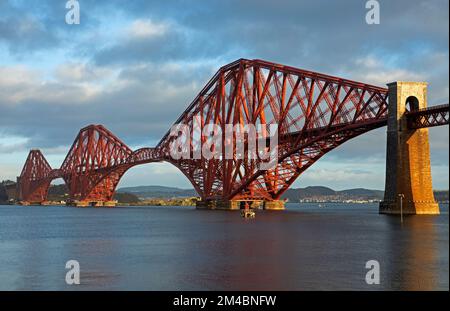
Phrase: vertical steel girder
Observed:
(94, 165)
(34, 181)
(315, 113)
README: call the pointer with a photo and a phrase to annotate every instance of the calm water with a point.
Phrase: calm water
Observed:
(155, 248)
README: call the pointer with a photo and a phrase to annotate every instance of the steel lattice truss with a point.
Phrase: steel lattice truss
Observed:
(428, 117)
(314, 112)
(34, 178)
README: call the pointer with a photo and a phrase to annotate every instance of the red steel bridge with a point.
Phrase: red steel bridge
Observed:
(315, 113)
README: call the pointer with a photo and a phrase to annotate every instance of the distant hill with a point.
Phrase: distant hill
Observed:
(301, 193)
(363, 192)
(126, 197)
(4, 192)
(441, 195)
(328, 194)
(293, 194)
(145, 192)
(58, 192)
(3, 195)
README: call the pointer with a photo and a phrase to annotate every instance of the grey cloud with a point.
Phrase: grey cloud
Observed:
(175, 45)
(139, 106)
(320, 35)
(27, 27)
(159, 48)
(26, 34)
(12, 148)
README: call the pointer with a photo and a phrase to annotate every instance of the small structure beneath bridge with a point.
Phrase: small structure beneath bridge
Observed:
(239, 204)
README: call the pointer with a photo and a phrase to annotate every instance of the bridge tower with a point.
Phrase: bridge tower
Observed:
(408, 169)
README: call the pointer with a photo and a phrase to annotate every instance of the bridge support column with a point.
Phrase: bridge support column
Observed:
(77, 203)
(240, 204)
(408, 169)
(218, 204)
(277, 205)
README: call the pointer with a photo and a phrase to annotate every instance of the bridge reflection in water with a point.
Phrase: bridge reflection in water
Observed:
(415, 247)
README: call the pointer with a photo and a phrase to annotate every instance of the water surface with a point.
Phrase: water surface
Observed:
(177, 248)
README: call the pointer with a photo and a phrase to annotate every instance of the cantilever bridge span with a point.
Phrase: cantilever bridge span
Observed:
(315, 113)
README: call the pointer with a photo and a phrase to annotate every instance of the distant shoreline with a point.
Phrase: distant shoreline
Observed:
(187, 202)
(172, 196)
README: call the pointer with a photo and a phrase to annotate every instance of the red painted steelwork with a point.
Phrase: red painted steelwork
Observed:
(34, 180)
(315, 113)
(428, 117)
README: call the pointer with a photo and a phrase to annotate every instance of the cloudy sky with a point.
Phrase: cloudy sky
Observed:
(135, 65)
